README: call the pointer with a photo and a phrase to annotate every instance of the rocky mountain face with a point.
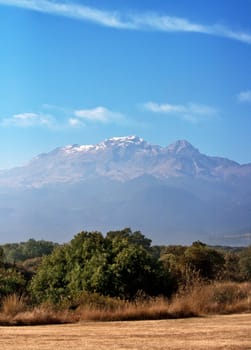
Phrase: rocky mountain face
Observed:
(173, 194)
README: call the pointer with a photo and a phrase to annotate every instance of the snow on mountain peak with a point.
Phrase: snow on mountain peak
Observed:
(124, 140)
(76, 148)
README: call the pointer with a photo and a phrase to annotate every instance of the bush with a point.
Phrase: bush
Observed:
(13, 304)
(11, 281)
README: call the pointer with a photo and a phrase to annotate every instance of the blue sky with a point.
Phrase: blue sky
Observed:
(83, 71)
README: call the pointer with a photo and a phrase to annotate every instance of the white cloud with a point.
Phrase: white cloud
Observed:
(74, 122)
(191, 112)
(132, 21)
(163, 108)
(28, 120)
(99, 114)
(245, 96)
(63, 119)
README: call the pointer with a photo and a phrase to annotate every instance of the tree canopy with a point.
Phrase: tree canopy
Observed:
(119, 264)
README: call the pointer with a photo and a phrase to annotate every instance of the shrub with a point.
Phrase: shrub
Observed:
(13, 304)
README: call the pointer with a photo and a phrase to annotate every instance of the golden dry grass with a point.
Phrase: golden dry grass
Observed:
(40, 315)
(214, 298)
(213, 332)
(13, 304)
(198, 300)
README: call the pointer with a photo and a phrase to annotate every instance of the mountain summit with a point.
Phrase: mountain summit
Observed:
(182, 147)
(173, 194)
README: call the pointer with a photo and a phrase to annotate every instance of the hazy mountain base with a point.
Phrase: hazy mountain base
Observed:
(178, 210)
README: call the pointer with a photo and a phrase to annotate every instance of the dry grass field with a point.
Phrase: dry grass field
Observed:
(212, 332)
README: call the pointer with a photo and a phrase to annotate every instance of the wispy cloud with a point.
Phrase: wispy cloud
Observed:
(62, 118)
(132, 21)
(244, 96)
(28, 120)
(98, 114)
(71, 10)
(191, 112)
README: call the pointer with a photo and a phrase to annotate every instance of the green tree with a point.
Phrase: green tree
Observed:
(135, 269)
(114, 266)
(207, 261)
(50, 283)
(87, 262)
(232, 267)
(245, 263)
(11, 281)
(135, 238)
(1, 256)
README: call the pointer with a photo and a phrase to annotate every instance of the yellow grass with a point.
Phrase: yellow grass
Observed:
(13, 304)
(200, 299)
(214, 298)
(40, 315)
(231, 332)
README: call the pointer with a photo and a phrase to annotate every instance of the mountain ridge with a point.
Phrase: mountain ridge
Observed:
(121, 158)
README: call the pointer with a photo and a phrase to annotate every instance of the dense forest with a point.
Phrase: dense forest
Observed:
(120, 264)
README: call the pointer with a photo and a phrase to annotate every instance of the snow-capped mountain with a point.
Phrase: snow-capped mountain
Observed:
(174, 194)
(122, 159)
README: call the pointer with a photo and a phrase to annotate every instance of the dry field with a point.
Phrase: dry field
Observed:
(215, 332)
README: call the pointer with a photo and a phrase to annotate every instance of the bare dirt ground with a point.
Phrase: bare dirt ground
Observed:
(216, 332)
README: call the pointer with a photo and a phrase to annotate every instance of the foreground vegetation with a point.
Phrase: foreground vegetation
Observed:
(199, 300)
(119, 277)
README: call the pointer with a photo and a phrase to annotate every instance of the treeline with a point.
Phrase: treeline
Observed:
(120, 264)
(16, 252)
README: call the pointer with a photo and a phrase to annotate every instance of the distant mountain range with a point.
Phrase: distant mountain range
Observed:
(172, 194)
